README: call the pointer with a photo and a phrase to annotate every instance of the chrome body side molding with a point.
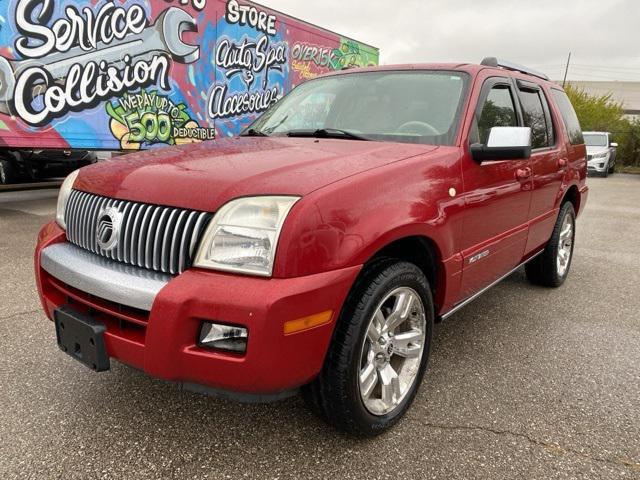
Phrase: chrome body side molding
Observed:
(107, 279)
(466, 302)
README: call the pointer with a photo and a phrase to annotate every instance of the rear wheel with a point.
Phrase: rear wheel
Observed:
(551, 268)
(379, 352)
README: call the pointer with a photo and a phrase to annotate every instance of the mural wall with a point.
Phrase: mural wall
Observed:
(139, 74)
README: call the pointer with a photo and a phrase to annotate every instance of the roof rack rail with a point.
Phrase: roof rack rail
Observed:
(496, 62)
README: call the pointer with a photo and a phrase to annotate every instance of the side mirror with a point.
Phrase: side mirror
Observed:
(505, 143)
(614, 145)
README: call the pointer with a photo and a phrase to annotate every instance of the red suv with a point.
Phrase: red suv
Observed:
(318, 250)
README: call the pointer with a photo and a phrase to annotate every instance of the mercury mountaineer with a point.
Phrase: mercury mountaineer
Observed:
(316, 251)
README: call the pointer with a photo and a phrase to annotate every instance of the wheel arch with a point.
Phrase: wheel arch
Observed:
(572, 195)
(420, 250)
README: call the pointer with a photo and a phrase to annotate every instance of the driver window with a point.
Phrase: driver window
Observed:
(498, 111)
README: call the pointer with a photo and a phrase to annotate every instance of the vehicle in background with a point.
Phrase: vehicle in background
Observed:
(32, 165)
(601, 153)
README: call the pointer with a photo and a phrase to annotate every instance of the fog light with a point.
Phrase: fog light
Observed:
(223, 337)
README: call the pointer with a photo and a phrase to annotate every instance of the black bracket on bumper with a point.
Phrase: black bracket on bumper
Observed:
(82, 337)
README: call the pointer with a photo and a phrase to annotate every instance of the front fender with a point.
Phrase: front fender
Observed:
(347, 223)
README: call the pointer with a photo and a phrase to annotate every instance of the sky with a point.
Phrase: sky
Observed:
(602, 35)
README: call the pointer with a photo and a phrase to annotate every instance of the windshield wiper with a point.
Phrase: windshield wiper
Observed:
(327, 133)
(252, 132)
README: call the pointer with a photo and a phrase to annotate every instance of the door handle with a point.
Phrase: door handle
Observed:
(523, 173)
(563, 163)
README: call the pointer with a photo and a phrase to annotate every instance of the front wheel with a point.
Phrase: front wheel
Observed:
(379, 352)
(551, 267)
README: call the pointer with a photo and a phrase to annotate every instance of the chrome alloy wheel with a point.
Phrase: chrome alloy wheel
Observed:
(565, 245)
(392, 351)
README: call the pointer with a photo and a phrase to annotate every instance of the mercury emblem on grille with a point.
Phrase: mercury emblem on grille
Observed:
(108, 228)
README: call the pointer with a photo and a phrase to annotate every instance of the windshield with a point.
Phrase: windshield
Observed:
(596, 140)
(395, 106)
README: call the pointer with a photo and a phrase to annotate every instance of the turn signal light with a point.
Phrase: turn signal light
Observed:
(307, 323)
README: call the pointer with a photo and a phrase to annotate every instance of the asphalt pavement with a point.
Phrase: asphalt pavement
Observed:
(523, 383)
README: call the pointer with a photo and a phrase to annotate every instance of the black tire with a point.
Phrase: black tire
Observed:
(544, 270)
(605, 174)
(7, 175)
(335, 394)
(613, 161)
(612, 169)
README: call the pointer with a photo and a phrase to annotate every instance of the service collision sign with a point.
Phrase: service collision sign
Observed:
(138, 74)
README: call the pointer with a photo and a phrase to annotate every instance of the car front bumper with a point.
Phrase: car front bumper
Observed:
(598, 166)
(153, 321)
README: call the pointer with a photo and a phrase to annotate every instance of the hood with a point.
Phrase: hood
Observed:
(597, 150)
(207, 175)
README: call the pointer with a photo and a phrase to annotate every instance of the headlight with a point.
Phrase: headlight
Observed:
(63, 198)
(243, 235)
(601, 155)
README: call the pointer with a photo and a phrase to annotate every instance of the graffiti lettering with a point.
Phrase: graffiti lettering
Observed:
(321, 56)
(151, 101)
(303, 69)
(85, 87)
(137, 74)
(348, 54)
(86, 30)
(149, 118)
(89, 56)
(234, 57)
(222, 105)
(250, 58)
(251, 16)
(190, 135)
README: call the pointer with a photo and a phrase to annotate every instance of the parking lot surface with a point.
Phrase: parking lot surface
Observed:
(524, 383)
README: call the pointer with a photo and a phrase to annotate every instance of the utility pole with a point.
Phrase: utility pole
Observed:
(566, 72)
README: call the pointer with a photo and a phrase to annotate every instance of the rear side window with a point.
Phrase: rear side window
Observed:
(498, 111)
(533, 114)
(569, 117)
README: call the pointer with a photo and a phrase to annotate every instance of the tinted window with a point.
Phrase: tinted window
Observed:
(498, 111)
(534, 117)
(569, 117)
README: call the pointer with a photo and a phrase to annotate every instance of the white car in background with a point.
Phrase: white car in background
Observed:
(601, 153)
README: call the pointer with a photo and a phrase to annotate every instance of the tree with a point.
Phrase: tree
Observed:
(629, 150)
(601, 113)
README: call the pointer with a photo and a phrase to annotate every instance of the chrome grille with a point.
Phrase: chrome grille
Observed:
(157, 238)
